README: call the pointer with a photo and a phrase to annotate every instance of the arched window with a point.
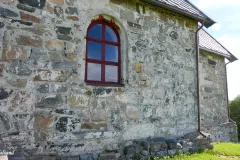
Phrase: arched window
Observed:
(103, 57)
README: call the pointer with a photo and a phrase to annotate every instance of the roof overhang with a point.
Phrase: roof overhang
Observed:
(230, 58)
(206, 20)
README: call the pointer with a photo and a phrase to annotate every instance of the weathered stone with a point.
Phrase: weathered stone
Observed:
(101, 92)
(43, 88)
(76, 100)
(34, 3)
(22, 101)
(88, 157)
(38, 55)
(28, 17)
(72, 10)
(13, 52)
(2, 25)
(22, 22)
(61, 125)
(63, 30)
(51, 101)
(1, 68)
(94, 126)
(172, 144)
(133, 112)
(38, 30)
(162, 153)
(34, 41)
(174, 35)
(58, 11)
(70, 2)
(8, 2)
(54, 45)
(144, 152)
(62, 65)
(109, 156)
(59, 88)
(55, 56)
(5, 93)
(172, 152)
(20, 68)
(64, 111)
(25, 7)
(52, 75)
(58, 2)
(43, 122)
(64, 37)
(4, 12)
(74, 18)
(129, 150)
(19, 83)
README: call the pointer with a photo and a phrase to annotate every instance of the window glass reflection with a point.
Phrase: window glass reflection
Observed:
(94, 50)
(111, 74)
(96, 31)
(94, 72)
(111, 53)
(110, 35)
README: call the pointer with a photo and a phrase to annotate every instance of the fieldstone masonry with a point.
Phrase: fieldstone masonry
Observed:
(214, 103)
(46, 108)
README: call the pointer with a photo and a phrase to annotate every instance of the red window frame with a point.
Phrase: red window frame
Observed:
(103, 62)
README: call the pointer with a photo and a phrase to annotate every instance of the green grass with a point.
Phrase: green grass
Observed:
(221, 151)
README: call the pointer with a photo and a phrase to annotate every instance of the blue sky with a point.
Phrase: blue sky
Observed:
(227, 31)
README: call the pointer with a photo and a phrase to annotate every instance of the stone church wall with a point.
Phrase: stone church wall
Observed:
(213, 98)
(45, 105)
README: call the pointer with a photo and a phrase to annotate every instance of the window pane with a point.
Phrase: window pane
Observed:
(94, 72)
(95, 31)
(111, 74)
(110, 35)
(111, 53)
(94, 50)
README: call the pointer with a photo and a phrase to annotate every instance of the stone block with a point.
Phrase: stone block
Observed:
(14, 52)
(51, 101)
(20, 68)
(52, 75)
(78, 100)
(63, 30)
(64, 37)
(25, 7)
(8, 2)
(133, 112)
(72, 11)
(34, 3)
(2, 25)
(43, 122)
(43, 88)
(64, 111)
(5, 93)
(61, 124)
(33, 41)
(130, 150)
(57, 2)
(94, 126)
(54, 45)
(172, 144)
(88, 157)
(19, 83)
(162, 153)
(22, 101)
(73, 18)
(28, 17)
(4, 12)
(62, 65)
(58, 11)
(109, 156)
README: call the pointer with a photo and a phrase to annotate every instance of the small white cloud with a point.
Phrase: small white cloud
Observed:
(216, 27)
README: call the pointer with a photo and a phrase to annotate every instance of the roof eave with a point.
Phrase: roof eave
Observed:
(230, 57)
(207, 21)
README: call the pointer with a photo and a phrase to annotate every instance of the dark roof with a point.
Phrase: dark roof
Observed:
(208, 43)
(183, 7)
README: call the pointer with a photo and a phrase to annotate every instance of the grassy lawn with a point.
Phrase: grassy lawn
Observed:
(221, 151)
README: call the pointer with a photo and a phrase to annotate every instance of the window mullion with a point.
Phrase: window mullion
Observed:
(103, 53)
